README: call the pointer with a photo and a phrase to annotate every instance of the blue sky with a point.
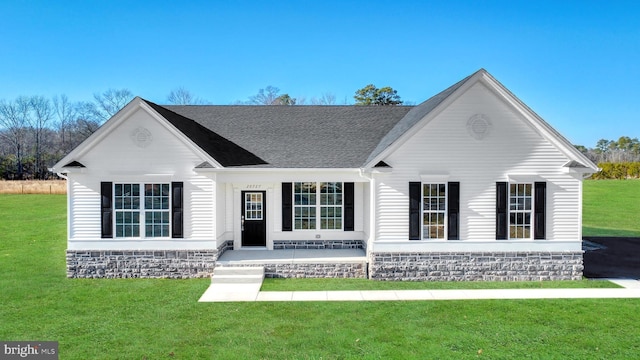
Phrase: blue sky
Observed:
(576, 63)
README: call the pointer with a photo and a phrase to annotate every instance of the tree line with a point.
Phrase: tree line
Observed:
(36, 132)
(617, 159)
(625, 149)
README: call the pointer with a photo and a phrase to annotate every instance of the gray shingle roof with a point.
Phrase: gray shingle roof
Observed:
(299, 136)
(296, 136)
(226, 152)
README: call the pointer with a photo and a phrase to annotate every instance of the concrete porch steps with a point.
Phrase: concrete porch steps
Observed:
(235, 283)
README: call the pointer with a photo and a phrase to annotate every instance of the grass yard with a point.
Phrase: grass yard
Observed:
(611, 208)
(364, 284)
(161, 319)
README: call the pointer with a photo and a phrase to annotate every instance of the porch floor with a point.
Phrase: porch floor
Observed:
(293, 256)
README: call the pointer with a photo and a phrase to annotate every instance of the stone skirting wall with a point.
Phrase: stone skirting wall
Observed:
(310, 270)
(175, 264)
(227, 245)
(318, 244)
(495, 266)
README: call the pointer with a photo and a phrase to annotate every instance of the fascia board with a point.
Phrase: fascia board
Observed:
(285, 174)
(230, 170)
(409, 133)
(536, 122)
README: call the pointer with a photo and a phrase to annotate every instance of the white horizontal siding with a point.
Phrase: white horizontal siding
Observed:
(118, 153)
(392, 200)
(199, 208)
(563, 208)
(84, 209)
(445, 147)
(118, 158)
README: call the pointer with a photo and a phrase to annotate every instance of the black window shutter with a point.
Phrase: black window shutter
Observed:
(539, 217)
(287, 206)
(415, 195)
(177, 210)
(502, 211)
(453, 211)
(348, 206)
(106, 219)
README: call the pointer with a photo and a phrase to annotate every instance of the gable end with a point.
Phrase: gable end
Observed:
(224, 151)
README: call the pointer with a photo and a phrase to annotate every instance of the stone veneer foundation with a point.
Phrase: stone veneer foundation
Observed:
(173, 264)
(312, 270)
(463, 266)
(450, 266)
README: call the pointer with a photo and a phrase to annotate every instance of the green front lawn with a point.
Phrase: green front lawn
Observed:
(611, 208)
(161, 319)
(365, 284)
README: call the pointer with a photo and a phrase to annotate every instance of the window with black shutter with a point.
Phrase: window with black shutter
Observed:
(453, 211)
(349, 207)
(520, 210)
(502, 224)
(434, 210)
(142, 210)
(540, 203)
(106, 218)
(415, 198)
(287, 208)
(177, 210)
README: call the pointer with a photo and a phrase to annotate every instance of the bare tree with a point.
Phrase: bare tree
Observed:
(85, 124)
(110, 102)
(40, 115)
(66, 113)
(266, 96)
(13, 118)
(324, 99)
(182, 96)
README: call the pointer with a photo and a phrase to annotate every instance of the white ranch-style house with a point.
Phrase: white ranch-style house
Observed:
(468, 185)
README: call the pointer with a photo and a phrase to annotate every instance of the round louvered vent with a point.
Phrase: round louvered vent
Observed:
(479, 126)
(141, 137)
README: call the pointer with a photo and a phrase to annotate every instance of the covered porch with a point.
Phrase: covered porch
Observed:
(300, 263)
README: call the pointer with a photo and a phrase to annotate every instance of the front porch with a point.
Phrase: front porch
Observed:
(299, 263)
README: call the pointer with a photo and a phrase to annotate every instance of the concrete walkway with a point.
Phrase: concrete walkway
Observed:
(631, 289)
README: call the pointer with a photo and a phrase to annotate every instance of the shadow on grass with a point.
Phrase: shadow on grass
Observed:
(588, 231)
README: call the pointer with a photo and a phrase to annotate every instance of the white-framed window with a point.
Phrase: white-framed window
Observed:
(311, 199)
(434, 210)
(141, 210)
(520, 210)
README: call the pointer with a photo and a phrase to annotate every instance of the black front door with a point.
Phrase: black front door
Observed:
(254, 221)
